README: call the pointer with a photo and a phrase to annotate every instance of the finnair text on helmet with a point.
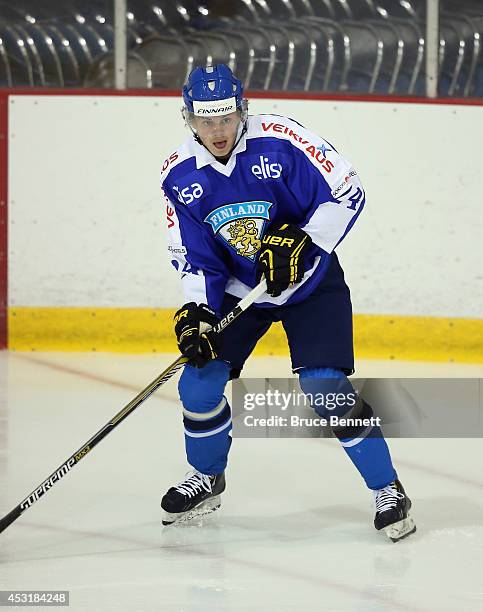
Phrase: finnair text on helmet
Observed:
(215, 111)
(213, 108)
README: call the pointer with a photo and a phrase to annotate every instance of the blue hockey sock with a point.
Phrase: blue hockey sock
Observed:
(206, 416)
(208, 441)
(371, 457)
(365, 446)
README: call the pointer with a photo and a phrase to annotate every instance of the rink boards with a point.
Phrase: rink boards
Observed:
(87, 267)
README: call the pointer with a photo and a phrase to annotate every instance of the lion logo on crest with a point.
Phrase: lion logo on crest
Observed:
(244, 237)
(241, 225)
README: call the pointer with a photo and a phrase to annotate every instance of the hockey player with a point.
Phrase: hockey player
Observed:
(251, 196)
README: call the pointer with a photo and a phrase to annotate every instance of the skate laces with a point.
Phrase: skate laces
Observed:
(193, 483)
(386, 498)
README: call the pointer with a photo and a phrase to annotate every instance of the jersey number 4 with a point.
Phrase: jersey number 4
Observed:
(355, 199)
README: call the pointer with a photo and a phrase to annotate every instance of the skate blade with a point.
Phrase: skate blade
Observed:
(206, 507)
(400, 530)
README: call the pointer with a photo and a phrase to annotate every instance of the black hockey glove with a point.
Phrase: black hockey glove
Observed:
(281, 257)
(195, 341)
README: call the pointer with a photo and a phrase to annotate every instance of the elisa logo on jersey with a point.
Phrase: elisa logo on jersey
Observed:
(241, 225)
(266, 170)
(188, 194)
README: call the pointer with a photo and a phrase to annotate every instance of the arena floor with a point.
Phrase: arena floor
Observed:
(295, 529)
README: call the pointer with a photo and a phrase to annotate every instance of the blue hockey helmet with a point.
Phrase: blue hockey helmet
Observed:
(213, 91)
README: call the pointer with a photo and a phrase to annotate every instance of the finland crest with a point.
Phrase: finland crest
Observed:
(241, 225)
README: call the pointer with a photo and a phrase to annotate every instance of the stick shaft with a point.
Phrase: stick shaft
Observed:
(75, 458)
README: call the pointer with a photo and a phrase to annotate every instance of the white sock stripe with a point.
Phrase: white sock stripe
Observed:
(206, 434)
(355, 441)
(205, 416)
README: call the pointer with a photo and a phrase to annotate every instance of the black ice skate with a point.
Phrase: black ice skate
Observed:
(196, 496)
(392, 511)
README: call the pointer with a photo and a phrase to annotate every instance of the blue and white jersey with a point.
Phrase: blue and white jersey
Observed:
(217, 214)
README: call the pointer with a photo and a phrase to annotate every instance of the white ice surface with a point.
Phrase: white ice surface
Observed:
(295, 529)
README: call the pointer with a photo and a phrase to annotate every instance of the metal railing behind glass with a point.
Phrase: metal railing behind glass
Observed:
(389, 47)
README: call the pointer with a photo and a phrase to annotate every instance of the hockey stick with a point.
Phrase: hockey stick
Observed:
(74, 459)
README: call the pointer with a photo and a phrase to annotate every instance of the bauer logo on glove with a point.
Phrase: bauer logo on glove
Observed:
(281, 258)
(193, 323)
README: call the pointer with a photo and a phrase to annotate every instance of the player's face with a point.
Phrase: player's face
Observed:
(218, 133)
